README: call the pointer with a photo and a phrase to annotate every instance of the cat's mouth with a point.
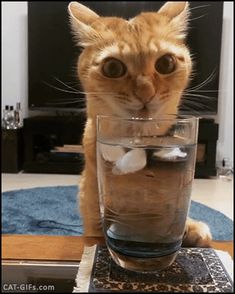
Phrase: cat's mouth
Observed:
(143, 112)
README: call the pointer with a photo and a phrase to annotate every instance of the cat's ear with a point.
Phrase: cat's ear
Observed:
(81, 18)
(178, 12)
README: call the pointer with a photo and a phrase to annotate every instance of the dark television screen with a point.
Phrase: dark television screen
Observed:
(53, 82)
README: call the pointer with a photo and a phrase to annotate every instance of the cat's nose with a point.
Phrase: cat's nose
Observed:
(144, 89)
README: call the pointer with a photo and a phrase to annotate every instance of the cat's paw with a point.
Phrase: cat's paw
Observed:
(197, 234)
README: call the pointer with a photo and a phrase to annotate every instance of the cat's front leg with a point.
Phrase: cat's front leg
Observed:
(197, 234)
(89, 204)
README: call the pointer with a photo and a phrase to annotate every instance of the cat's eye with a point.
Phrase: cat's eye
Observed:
(113, 68)
(165, 64)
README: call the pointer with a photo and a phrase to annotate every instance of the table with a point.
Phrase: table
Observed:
(67, 248)
(50, 261)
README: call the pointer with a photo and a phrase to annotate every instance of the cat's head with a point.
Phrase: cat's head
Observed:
(137, 67)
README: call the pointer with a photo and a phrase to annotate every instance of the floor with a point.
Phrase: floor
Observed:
(216, 193)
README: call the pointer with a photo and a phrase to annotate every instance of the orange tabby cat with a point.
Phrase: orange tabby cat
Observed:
(136, 67)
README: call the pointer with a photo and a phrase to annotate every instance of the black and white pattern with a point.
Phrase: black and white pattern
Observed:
(194, 270)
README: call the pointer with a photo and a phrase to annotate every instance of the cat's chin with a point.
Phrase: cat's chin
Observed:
(143, 113)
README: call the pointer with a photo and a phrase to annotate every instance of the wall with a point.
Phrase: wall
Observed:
(14, 54)
(225, 108)
(14, 69)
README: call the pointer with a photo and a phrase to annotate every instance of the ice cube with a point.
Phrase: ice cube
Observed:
(170, 153)
(111, 153)
(131, 162)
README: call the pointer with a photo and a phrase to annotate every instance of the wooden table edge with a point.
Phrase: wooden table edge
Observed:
(62, 248)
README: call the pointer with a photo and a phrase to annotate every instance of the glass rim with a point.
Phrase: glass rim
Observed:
(175, 117)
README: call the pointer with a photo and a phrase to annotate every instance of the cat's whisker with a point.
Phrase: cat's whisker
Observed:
(77, 92)
(195, 18)
(197, 104)
(198, 17)
(191, 95)
(60, 89)
(193, 102)
(207, 81)
(205, 91)
(198, 7)
(62, 103)
(66, 85)
(68, 99)
(202, 103)
(187, 94)
(192, 111)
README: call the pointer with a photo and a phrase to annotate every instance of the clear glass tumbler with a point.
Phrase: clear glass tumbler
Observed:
(145, 174)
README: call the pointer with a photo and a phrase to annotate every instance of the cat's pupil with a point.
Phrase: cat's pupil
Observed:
(113, 68)
(165, 64)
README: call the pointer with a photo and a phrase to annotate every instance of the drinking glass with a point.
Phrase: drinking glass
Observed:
(145, 171)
